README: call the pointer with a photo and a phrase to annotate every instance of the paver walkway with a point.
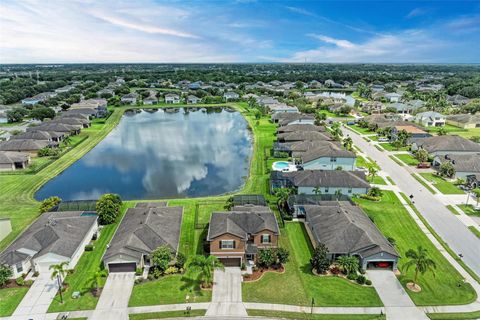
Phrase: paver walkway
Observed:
(37, 300)
(227, 294)
(398, 304)
(113, 302)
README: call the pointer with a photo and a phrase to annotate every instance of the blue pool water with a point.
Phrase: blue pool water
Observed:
(281, 165)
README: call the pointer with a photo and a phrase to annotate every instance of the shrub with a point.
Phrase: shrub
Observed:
(36, 274)
(361, 279)
(375, 192)
(282, 255)
(180, 260)
(138, 281)
(108, 207)
(171, 270)
(150, 277)
(20, 281)
(138, 271)
(368, 282)
(49, 203)
(335, 270)
(5, 274)
(371, 198)
(266, 257)
(352, 276)
(89, 247)
(161, 257)
(243, 266)
(319, 260)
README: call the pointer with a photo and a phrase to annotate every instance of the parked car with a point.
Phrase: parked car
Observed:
(423, 165)
(383, 139)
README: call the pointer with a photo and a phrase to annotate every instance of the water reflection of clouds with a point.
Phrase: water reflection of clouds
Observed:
(174, 150)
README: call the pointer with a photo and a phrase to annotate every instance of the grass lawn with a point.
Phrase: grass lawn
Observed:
(166, 314)
(360, 129)
(308, 316)
(447, 286)
(423, 183)
(10, 298)
(82, 278)
(389, 147)
(169, 290)
(468, 209)
(475, 231)
(441, 184)
(297, 286)
(452, 210)
(455, 316)
(360, 162)
(408, 159)
(330, 114)
(396, 160)
(377, 180)
(391, 180)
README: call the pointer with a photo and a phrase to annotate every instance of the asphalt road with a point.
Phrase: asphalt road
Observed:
(449, 228)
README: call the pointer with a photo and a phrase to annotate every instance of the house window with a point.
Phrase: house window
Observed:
(266, 238)
(350, 190)
(326, 190)
(333, 159)
(227, 244)
(19, 267)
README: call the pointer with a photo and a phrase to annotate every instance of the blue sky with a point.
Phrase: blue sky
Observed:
(239, 31)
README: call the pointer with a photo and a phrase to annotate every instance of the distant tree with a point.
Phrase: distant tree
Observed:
(16, 114)
(349, 264)
(447, 170)
(161, 257)
(205, 266)
(97, 279)
(67, 140)
(421, 155)
(320, 117)
(402, 137)
(65, 106)
(336, 131)
(420, 260)
(42, 113)
(282, 195)
(441, 131)
(348, 143)
(108, 208)
(5, 274)
(319, 260)
(49, 203)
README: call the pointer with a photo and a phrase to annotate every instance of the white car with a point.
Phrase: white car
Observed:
(383, 139)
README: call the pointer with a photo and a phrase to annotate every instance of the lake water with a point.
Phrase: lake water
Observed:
(159, 154)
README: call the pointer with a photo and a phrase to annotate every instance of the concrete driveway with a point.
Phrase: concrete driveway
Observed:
(227, 293)
(37, 300)
(113, 302)
(398, 304)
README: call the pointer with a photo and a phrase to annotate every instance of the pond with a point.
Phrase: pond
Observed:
(154, 154)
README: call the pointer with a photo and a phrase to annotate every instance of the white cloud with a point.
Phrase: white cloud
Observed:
(338, 42)
(303, 11)
(416, 12)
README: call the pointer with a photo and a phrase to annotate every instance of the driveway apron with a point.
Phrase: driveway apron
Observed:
(227, 294)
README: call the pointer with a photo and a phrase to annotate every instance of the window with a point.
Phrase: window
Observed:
(350, 190)
(326, 190)
(333, 159)
(266, 238)
(19, 267)
(227, 244)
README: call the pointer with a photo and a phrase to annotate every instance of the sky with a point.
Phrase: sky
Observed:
(84, 31)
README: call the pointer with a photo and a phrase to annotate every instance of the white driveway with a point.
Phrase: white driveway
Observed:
(398, 304)
(113, 302)
(37, 300)
(227, 293)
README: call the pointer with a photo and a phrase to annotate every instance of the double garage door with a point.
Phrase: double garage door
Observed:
(231, 262)
(122, 267)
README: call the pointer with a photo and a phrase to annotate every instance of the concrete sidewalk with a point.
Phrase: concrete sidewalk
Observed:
(227, 294)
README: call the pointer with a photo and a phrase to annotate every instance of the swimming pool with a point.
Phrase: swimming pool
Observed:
(283, 166)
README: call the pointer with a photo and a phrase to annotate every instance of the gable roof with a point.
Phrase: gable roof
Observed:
(8, 157)
(59, 233)
(463, 162)
(35, 135)
(324, 178)
(327, 150)
(24, 145)
(241, 221)
(301, 127)
(143, 229)
(465, 118)
(448, 143)
(304, 136)
(345, 228)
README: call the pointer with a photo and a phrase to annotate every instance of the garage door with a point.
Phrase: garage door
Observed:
(375, 265)
(122, 267)
(231, 262)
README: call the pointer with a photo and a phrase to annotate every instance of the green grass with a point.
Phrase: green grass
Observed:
(408, 159)
(169, 289)
(390, 180)
(447, 286)
(389, 147)
(441, 184)
(455, 316)
(379, 148)
(395, 159)
(81, 279)
(377, 180)
(423, 183)
(468, 209)
(297, 286)
(360, 130)
(330, 114)
(308, 316)
(452, 210)
(167, 314)
(475, 231)
(360, 162)
(10, 298)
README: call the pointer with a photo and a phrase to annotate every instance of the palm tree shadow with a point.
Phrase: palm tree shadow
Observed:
(192, 284)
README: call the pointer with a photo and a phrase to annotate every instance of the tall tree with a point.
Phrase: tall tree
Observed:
(205, 266)
(420, 260)
(319, 260)
(59, 272)
(372, 171)
(348, 143)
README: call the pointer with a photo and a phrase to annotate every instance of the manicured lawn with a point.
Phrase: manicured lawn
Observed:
(452, 210)
(475, 231)
(360, 129)
(455, 316)
(408, 159)
(377, 180)
(297, 286)
(447, 286)
(360, 162)
(298, 315)
(9, 299)
(441, 184)
(397, 161)
(423, 183)
(390, 180)
(389, 147)
(166, 314)
(468, 209)
(82, 278)
(169, 290)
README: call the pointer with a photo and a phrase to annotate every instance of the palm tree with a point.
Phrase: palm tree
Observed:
(420, 260)
(317, 191)
(336, 131)
(206, 266)
(97, 279)
(67, 140)
(372, 171)
(349, 264)
(348, 143)
(282, 195)
(59, 272)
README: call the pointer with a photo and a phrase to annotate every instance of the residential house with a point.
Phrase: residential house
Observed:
(334, 182)
(413, 131)
(345, 229)
(53, 238)
(393, 96)
(10, 161)
(304, 136)
(172, 98)
(150, 100)
(464, 121)
(64, 89)
(287, 118)
(142, 230)
(328, 157)
(29, 146)
(98, 105)
(191, 99)
(296, 202)
(430, 119)
(282, 108)
(108, 91)
(230, 95)
(300, 127)
(458, 100)
(130, 98)
(56, 127)
(464, 164)
(401, 108)
(447, 145)
(35, 135)
(236, 236)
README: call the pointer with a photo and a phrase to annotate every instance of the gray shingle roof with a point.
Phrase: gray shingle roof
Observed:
(345, 228)
(24, 145)
(143, 229)
(8, 157)
(328, 150)
(464, 162)
(241, 221)
(53, 126)
(449, 143)
(327, 178)
(465, 118)
(60, 233)
(35, 135)
(304, 136)
(301, 127)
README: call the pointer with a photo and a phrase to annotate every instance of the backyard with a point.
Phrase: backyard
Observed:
(298, 285)
(447, 286)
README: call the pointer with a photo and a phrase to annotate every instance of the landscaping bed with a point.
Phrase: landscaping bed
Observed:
(258, 273)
